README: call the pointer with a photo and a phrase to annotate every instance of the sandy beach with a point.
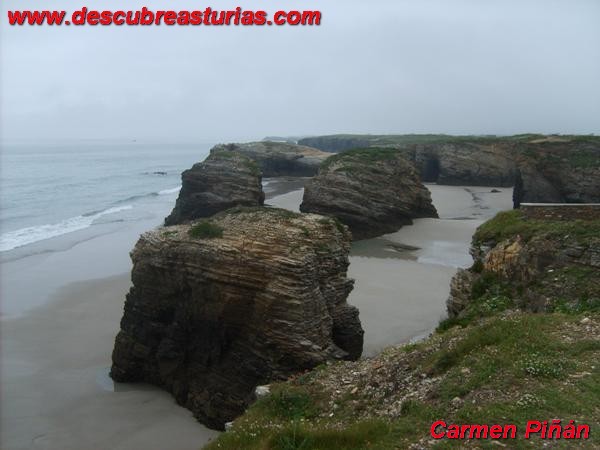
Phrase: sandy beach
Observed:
(401, 292)
(56, 352)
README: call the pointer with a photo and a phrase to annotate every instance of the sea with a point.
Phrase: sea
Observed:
(78, 188)
(72, 211)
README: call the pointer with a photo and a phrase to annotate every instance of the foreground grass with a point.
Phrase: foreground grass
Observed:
(509, 368)
(493, 364)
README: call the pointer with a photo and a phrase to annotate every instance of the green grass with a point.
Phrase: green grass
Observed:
(246, 162)
(585, 158)
(524, 360)
(275, 212)
(363, 156)
(411, 139)
(206, 230)
(509, 224)
(493, 364)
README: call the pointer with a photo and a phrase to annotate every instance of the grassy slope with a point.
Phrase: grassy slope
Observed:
(445, 138)
(497, 365)
(363, 158)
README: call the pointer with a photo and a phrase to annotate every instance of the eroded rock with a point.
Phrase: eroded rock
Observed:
(257, 295)
(558, 170)
(277, 159)
(225, 179)
(373, 191)
(539, 266)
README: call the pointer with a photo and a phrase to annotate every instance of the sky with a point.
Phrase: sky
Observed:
(373, 66)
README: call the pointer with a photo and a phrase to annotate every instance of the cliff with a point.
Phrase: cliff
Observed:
(277, 159)
(494, 362)
(544, 168)
(221, 306)
(532, 264)
(451, 160)
(373, 191)
(558, 170)
(225, 179)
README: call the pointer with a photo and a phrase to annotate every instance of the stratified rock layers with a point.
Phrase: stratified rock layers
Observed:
(558, 171)
(466, 161)
(209, 319)
(224, 180)
(373, 191)
(551, 168)
(532, 264)
(277, 159)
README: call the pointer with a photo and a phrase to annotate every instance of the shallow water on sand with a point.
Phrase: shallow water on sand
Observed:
(403, 278)
(55, 391)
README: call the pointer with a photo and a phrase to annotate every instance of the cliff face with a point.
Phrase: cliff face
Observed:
(224, 180)
(219, 307)
(543, 168)
(472, 164)
(443, 159)
(373, 191)
(558, 171)
(337, 143)
(535, 265)
(277, 159)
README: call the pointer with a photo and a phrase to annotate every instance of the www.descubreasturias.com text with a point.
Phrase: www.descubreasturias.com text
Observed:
(148, 17)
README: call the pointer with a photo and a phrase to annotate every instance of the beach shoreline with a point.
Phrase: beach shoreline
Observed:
(55, 357)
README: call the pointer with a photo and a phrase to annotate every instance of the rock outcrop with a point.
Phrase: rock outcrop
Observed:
(558, 170)
(543, 168)
(467, 163)
(222, 306)
(373, 191)
(534, 265)
(277, 159)
(449, 160)
(225, 179)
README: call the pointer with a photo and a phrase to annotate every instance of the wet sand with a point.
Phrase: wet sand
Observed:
(55, 390)
(403, 278)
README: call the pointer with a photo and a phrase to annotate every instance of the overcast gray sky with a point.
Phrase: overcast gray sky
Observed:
(389, 66)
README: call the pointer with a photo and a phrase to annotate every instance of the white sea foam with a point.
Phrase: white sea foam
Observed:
(29, 235)
(169, 191)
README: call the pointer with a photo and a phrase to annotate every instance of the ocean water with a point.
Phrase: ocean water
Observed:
(48, 190)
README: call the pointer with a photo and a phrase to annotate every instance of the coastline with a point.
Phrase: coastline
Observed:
(57, 339)
(55, 357)
(403, 278)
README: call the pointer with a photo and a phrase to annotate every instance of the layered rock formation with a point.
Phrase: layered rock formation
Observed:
(221, 306)
(224, 180)
(531, 264)
(472, 164)
(373, 191)
(277, 159)
(544, 168)
(443, 159)
(558, 170)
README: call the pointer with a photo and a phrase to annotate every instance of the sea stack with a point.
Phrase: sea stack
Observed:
(220, 306)
(373, 191)
(224, 180)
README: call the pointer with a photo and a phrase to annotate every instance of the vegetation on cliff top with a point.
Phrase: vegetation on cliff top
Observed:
(507, 369)
(408, 139)
(206, 230)
(223, 154)
(512, 223)
(496, 364)
(557, 154)
(362, 156)
(570, 288)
